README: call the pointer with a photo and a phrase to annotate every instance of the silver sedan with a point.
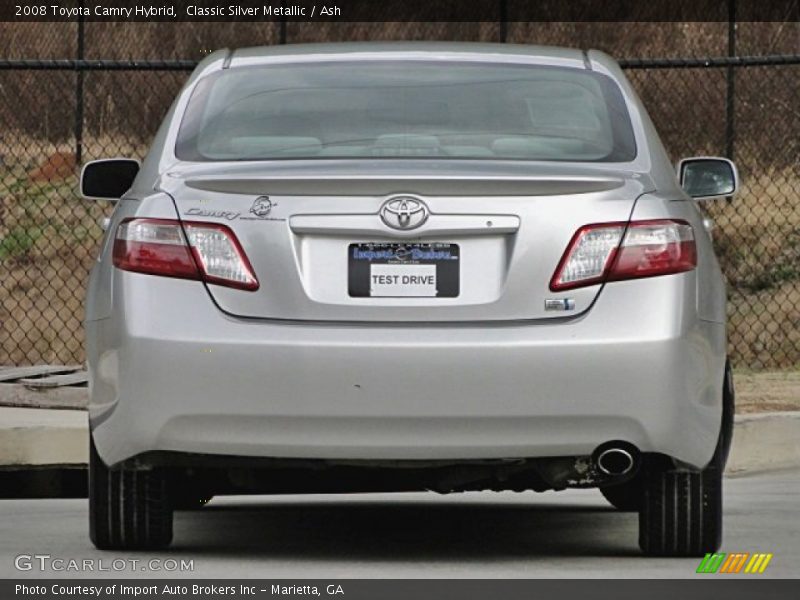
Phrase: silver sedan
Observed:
(392, 267)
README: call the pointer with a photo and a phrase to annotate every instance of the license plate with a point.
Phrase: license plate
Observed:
(384, 270)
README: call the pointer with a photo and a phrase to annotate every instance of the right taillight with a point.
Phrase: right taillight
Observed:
(207, 252)
(617, 251)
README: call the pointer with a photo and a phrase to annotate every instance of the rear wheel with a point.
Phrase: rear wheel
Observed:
(127, 509)
(681, 513)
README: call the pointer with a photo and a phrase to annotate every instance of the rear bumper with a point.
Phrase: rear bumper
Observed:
(170, 378)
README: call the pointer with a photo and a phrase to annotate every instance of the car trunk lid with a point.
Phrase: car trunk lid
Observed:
(325, 247)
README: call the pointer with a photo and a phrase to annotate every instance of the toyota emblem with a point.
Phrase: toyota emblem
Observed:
(404, 212)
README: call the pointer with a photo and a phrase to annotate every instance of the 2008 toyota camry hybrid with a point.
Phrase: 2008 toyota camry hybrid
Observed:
(405, 267)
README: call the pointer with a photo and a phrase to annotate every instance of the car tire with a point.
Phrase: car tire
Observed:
(626, 496)
(681, 512)
(128, 509)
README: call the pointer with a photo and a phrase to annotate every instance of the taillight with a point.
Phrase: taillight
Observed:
(598, 253)
(206, 252)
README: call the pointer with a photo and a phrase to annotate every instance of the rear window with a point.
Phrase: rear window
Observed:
(407, 109)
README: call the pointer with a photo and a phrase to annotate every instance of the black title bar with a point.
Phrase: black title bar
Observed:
(399, 10)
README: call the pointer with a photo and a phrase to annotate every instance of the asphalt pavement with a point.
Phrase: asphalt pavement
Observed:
(485, 535)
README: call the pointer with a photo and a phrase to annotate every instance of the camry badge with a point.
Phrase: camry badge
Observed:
(404, 212)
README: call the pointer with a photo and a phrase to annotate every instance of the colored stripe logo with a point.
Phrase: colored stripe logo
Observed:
(735, 562)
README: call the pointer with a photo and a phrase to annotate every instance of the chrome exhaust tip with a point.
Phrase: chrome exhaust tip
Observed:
(615, 461)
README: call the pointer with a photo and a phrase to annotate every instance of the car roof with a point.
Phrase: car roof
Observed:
(549, 55)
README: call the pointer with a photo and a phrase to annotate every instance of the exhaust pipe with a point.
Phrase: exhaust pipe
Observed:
(611, 462)
(616, 459)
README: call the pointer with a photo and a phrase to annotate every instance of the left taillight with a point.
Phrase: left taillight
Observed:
(207, 252)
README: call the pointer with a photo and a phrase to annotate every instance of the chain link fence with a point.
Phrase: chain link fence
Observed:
(71, 92)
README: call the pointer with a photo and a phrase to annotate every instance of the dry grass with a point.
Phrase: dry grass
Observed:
(757, 239)
(764, 327)
(757, 235)
(48, 241)
(23, 154)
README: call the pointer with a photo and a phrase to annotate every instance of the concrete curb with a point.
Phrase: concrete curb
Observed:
(766, 441)
(40, 437)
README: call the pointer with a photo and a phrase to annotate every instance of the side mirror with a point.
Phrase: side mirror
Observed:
(108, 179)
(704, 178)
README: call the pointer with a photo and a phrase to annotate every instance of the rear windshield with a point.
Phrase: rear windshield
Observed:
(407, 109)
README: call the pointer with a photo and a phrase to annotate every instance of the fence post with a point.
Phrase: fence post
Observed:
(503, 21)
(79, 91)
(730, 107)
(282, 25)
